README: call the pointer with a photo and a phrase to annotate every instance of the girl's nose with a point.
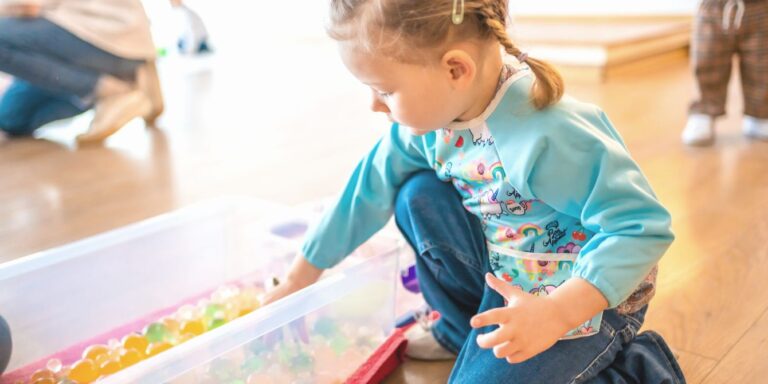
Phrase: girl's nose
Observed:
(378, 106)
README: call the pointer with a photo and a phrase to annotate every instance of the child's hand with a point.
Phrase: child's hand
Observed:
(280, 291)
(528, 325)
(300, 275)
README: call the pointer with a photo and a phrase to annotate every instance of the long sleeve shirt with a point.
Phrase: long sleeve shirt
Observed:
(557, 180)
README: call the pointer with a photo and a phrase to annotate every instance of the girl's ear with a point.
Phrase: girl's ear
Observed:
(459, 68)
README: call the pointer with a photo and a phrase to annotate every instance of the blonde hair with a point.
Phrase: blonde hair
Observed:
(426, 25)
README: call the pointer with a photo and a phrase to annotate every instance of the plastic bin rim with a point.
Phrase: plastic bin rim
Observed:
(77, 248)
(174, 356)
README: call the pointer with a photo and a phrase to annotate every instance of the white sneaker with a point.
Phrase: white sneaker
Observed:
(113, 113)
(755, 128)
(699, 130)
(422, 345)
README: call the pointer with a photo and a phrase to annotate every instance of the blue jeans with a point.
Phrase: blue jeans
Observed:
(451, 262)
(55, 73)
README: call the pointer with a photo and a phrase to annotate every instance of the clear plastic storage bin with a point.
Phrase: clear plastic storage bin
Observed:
(59, 301)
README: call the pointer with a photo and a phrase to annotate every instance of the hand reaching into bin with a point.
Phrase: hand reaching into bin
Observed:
(300, 275)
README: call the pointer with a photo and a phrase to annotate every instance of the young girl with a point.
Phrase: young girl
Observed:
(537, 235)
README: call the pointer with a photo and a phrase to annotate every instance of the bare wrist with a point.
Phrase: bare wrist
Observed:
(302, 272)
(577, 301)
(561, 315)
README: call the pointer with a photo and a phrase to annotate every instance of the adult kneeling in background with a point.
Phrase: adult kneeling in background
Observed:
(68, 56)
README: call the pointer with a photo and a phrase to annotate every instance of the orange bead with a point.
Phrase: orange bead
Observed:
(183, 338)
(94, 351)
(41, 374)
(109, 367)
(135, 341)
(249, 300)
(44, 380)
(155, 348)
(101, 359)
(130, 357)
(171, 324)
(194, 327)
(84, 371)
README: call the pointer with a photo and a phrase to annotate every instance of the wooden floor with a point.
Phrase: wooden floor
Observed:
(290, 130)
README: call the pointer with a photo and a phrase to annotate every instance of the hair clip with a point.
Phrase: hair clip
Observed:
(522, 57)
(457, 16)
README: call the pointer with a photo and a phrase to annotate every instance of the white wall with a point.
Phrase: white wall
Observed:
(306, 18)
(602, 7)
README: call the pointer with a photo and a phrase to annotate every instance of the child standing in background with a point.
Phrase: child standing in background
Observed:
(537, 236)
(194, 35)
(725, 28)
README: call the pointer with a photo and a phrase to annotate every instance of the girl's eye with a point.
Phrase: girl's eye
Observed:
(384, 94)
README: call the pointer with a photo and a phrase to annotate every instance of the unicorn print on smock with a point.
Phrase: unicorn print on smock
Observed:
(531, 246)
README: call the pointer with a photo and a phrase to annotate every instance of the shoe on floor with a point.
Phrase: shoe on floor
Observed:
(113, 112)
(422, 345)
(755, 128)
(699, 130)
(149, 83)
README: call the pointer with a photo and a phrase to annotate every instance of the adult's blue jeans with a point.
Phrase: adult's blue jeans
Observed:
(55, 73)
(451, 263)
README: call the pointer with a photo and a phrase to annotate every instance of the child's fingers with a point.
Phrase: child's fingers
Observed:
(517, 357)
(490, 317)
(495, 338)
(507, 291)
(506, 350)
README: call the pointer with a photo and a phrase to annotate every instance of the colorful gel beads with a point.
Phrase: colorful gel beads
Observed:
(97, 361)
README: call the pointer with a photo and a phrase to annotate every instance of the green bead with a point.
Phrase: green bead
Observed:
(215, 323)
(284, 355)
(302, 362)
(339, 344)
(325, 327)
(214, 316)
(156, 332)
(212, 309)
(252, 365)
(259, 347)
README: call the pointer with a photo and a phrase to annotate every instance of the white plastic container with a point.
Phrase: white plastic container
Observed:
(84, 291)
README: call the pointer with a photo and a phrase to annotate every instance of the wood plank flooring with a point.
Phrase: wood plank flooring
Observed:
(290, 129)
